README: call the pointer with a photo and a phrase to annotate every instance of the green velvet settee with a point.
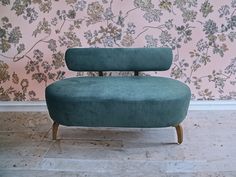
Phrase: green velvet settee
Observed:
(122, 101)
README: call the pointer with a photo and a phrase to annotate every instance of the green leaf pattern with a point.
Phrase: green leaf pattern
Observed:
(34, 35)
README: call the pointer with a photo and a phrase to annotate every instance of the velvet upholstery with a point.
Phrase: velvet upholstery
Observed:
(134, 101)
(118, 59)
(118, 101)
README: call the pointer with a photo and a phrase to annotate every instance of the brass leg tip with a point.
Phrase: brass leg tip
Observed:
(179, 131)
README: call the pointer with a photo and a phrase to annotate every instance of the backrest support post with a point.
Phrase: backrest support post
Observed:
(100, 73)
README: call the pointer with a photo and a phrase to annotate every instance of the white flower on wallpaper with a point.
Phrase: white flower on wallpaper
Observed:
(34, 35)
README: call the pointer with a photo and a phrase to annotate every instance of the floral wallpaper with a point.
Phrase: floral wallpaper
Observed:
(34, 35)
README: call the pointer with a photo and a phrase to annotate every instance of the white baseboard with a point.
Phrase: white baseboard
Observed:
(23, 106)
(40, 106)
(213, 105)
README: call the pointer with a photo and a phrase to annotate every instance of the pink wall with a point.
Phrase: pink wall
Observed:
(35, 34)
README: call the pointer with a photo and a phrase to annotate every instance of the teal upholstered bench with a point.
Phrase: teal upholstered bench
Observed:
(134, 101)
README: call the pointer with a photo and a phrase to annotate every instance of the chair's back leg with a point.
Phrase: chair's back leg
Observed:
(179, 131)
(54, 130)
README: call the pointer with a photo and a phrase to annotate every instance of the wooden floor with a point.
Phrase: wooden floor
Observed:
(27, 150)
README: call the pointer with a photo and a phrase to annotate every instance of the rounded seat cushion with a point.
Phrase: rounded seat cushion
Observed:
(118, 101)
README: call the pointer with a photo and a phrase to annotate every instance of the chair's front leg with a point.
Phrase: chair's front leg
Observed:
(179, 131)
(54, 130)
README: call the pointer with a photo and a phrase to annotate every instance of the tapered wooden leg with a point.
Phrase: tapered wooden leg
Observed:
(179, 131)
(54, 130)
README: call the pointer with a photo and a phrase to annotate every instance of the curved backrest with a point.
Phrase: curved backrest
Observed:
(118, 59)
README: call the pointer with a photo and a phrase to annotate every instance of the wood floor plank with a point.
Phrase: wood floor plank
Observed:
(209, 148)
